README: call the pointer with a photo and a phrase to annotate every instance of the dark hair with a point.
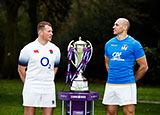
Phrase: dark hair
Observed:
(42, 24)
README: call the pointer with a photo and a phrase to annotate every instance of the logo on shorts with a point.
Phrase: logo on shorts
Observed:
(53, 102)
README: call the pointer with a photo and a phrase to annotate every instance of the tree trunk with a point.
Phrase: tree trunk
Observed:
(10, 53)
(32, 12)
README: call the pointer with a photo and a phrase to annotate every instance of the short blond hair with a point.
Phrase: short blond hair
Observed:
(42, 24)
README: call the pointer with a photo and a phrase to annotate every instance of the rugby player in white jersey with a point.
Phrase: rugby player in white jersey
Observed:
(37, 66)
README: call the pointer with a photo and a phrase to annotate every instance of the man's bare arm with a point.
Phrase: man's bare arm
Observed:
(22, 72)
(143, 67)
(55, 70)
(106, 63)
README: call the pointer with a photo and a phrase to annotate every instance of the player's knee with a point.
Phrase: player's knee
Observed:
(129, 111)
(111, 111)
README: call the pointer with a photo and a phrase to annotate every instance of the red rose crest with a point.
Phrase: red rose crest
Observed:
(51, 51)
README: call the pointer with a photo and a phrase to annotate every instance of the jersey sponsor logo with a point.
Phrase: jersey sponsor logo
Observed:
(124, 47)
(45, 62)
(35, 51)
(117, 56)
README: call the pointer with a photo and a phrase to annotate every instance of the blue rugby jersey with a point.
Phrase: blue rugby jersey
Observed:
(122, 55)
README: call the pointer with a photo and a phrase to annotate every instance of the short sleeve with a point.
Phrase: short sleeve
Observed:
(57, 60)
(23, 57)
(105, 50)
(138, 51)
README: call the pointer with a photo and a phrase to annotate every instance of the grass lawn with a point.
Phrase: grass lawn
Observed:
(11, 99)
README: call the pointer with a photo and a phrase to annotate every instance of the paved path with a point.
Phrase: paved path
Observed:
(152, 102)
(143, 101)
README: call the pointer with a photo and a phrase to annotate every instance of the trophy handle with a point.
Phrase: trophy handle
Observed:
(91, 50)
(71, 45)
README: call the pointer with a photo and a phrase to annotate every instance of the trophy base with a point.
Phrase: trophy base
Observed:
(79, 86)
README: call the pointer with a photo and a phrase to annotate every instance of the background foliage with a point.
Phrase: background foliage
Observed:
(90, 19)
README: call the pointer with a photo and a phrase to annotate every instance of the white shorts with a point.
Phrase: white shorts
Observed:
(39, 100)
(120, 94)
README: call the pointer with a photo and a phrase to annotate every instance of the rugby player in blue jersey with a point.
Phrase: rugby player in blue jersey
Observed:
(121, 52)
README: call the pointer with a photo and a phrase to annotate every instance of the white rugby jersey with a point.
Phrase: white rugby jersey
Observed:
(40, 61)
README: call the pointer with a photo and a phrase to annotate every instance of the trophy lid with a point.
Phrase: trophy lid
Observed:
(80, 42)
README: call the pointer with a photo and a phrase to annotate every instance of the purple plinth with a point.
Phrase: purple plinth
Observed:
(73, 96)
(78, 103)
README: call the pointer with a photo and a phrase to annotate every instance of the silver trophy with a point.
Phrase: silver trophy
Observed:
(81, 58)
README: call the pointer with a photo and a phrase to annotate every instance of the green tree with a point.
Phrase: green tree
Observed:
(32, 12)
(10, 53)
(153, 57)
(54, 11)
(15, 13)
